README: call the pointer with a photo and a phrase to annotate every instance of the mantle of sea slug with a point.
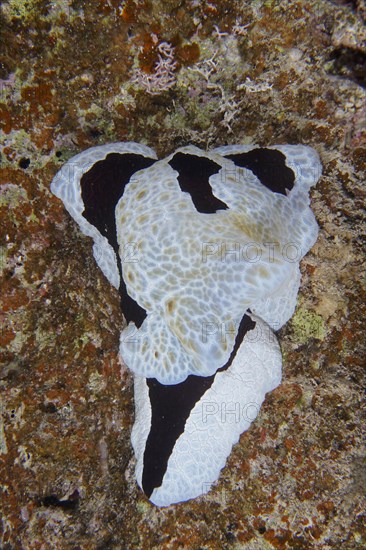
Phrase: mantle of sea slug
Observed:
(199, 246)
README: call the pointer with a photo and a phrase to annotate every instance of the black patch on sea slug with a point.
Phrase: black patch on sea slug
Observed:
(101, 188)
(193, 175)
(170, 409)
(269, 165)
(103, 185)
(131, 309)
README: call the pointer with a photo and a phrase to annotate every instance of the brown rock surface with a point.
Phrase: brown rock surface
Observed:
(74, 74)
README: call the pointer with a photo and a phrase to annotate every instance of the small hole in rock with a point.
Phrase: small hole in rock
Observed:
(24, 163)
(68, 504)
(49, 408)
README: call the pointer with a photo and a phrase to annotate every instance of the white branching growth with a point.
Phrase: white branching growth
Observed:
(254, 87)
(229, 108)
(163, 77)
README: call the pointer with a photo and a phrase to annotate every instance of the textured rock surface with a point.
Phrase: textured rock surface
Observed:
(76, 74)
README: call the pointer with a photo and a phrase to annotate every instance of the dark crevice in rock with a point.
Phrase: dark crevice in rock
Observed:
(68, 504)
(350, 64)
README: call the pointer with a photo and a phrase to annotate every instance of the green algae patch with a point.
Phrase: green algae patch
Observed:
(306, 324)
(19, 9)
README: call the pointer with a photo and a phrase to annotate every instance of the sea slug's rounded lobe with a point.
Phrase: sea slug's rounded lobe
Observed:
(249, 234)
(67, 186)
(229, 401)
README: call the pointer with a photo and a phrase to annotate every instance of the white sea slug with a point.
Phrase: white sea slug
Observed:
(205, 249)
